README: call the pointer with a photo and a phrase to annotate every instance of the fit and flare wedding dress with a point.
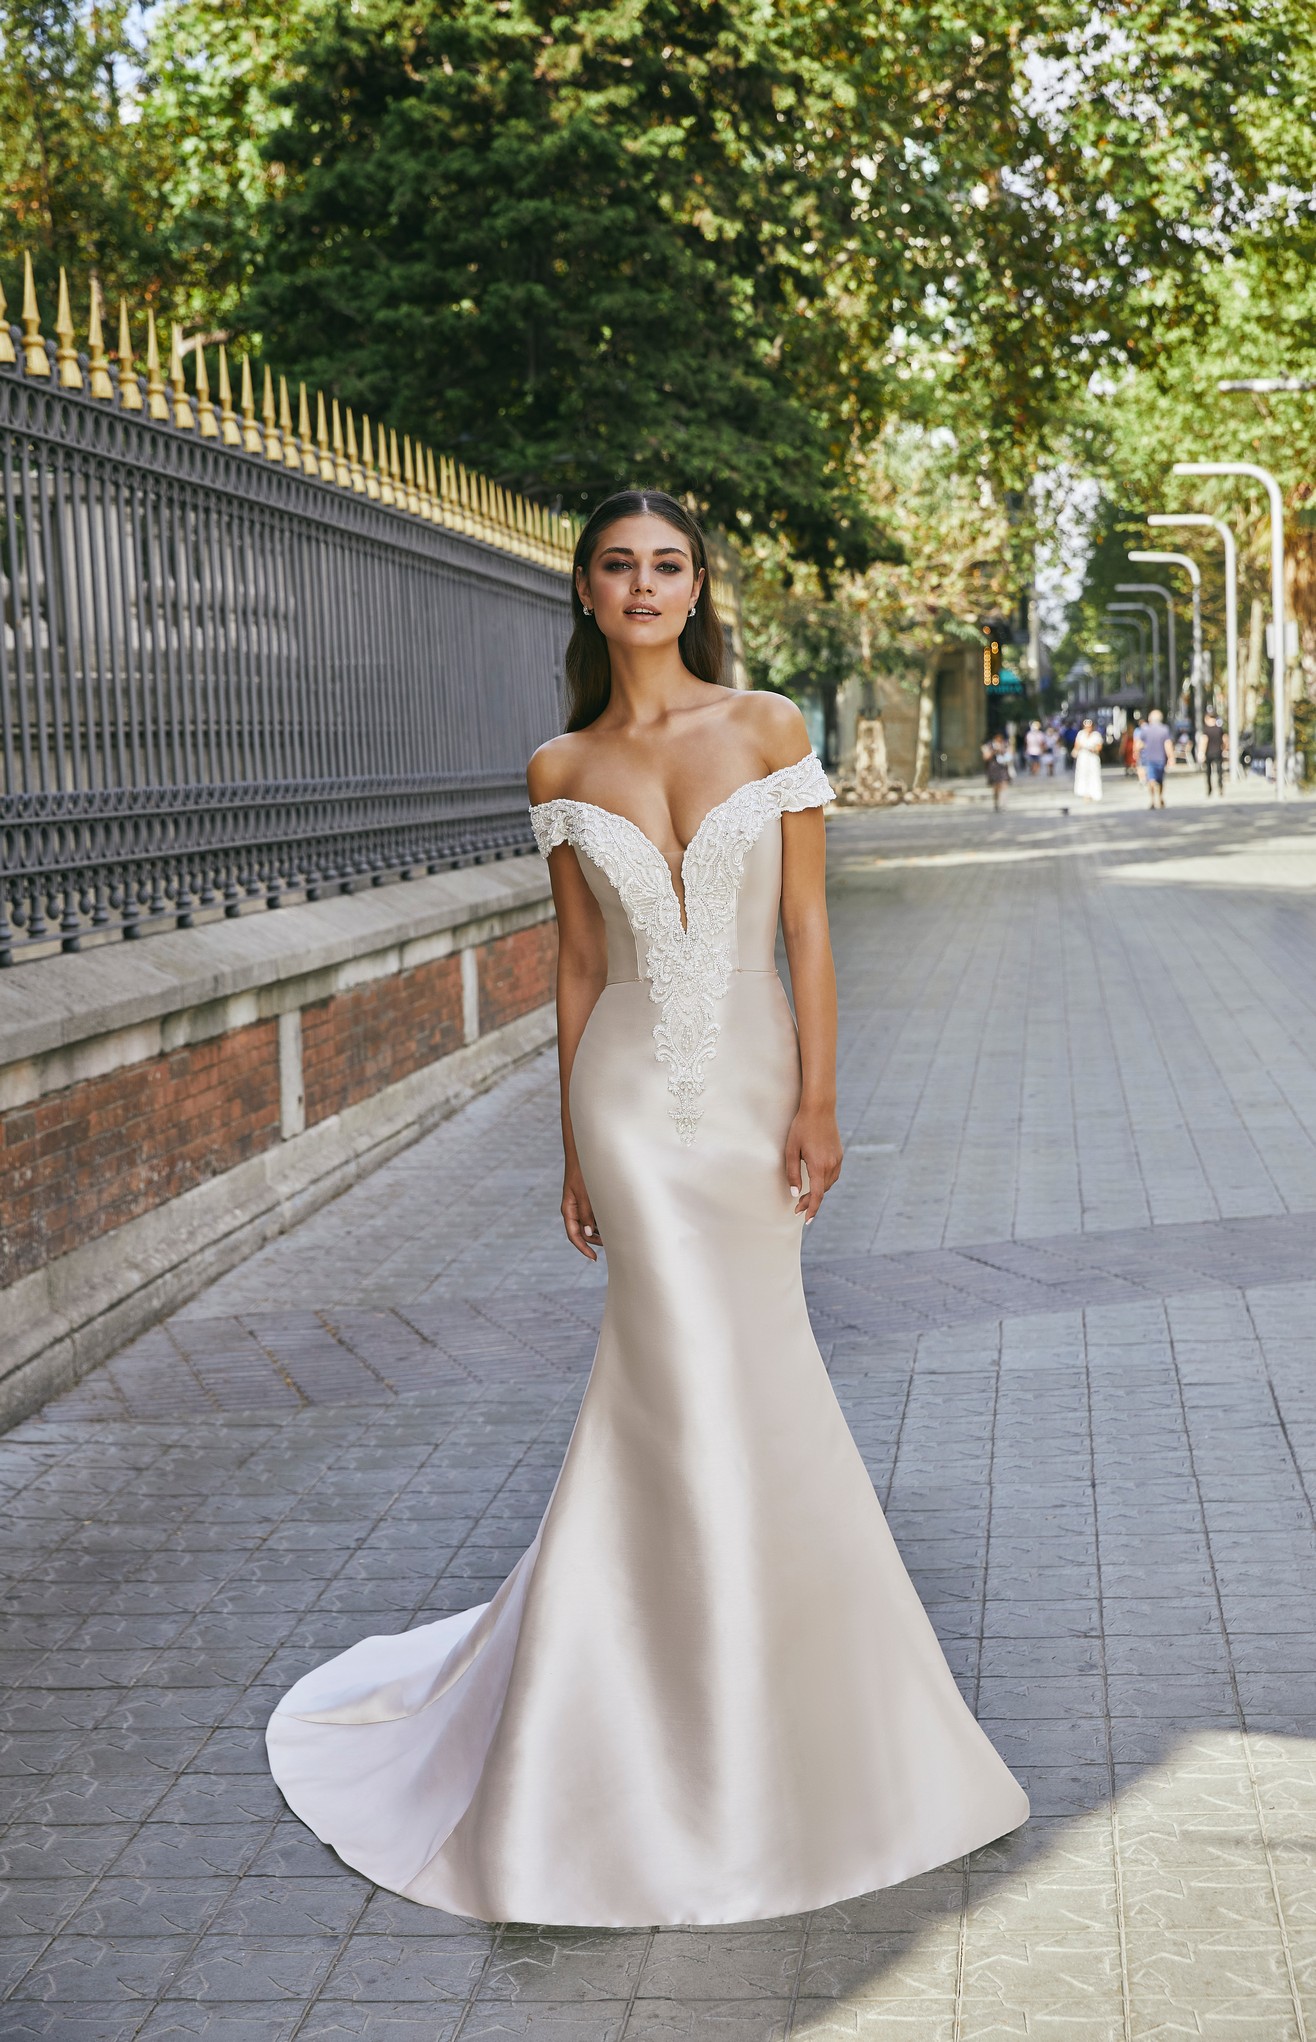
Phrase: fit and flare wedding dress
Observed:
(708, 1692)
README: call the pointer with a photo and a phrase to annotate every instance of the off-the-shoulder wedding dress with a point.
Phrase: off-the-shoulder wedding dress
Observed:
(708, 1692)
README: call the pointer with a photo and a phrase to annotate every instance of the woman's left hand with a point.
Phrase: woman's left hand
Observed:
(814, 1142)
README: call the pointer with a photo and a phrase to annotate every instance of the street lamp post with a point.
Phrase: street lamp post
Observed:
(1157, 588)
(1155, 615)
(1232, 714)
(1194, 574)
(1279, 649)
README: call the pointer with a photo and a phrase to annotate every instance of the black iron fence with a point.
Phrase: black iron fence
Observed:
(242, 659)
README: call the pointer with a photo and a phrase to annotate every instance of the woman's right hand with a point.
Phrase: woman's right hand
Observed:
(578, 1213)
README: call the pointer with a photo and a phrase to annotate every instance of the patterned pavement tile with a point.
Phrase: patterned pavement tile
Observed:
(1066, 1293)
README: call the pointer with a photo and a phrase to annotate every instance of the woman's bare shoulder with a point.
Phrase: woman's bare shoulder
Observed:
(555, 768)
(776, 725)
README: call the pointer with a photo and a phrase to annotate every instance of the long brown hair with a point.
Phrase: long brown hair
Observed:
(703, 646)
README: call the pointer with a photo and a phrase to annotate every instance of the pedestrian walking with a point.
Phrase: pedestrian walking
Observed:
(1129, 750)
(1155, 750)
(1034, 746)
(1212, 744)
(996, 759)
(1087, 762)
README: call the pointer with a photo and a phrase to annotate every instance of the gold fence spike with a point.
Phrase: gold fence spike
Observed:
(229, 429)
(385, 473)
(98, 367)
(422, 488)
(322, 447)
(432, 488)
(35, 359)
(342, 473)
(157, 404)
(485, 519)
(271, 444)
(354, 468)
(251, 438)
(66, 354)
(205, 410)
(464, 498)
(395, 472)
(409, 477)
(368, 461)
(304, 441)
(130, 390)
(6, 337)
(291, 456)
(184, 416)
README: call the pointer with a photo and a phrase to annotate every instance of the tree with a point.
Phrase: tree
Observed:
(78, 188)
(549, 244)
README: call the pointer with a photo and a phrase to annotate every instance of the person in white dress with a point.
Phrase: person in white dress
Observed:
(1087, 761)
(708, 1692)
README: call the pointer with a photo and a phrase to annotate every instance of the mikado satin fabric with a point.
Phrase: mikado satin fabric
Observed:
(708, 1693)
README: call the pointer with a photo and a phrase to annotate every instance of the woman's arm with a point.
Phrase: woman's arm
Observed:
(582, 971)
(814, 1137)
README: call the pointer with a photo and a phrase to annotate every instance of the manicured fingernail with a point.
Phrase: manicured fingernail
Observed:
(795, 1190)
(809, 1220)
(589, 1230)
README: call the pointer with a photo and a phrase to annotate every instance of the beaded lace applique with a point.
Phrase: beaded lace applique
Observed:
(688, 965)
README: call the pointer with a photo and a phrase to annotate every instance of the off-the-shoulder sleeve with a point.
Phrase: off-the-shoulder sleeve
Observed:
(803, 785)
(550, 822)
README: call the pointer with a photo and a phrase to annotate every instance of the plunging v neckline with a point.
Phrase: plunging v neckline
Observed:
(679, 899)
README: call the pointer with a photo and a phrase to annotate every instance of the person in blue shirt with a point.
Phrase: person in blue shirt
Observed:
(1155, 750)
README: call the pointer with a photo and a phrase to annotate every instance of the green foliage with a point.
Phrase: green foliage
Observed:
(734, 246)
(713, 242)
(581, 251)
(210, 110)
(77, 187)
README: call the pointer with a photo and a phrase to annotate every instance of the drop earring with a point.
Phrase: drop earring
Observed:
(693, 607)
(586, 608)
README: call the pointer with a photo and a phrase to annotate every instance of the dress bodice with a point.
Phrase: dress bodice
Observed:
(731, 879)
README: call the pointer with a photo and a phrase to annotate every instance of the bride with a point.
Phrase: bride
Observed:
(708, 1692)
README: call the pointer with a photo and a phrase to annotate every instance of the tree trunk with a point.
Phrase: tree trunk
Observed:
(1256, 641)
(870, 766)
(923, 744)
(1301, 577)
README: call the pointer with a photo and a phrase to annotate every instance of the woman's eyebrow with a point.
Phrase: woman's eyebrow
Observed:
(629, 551)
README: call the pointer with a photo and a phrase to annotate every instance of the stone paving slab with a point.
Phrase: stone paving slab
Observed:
(1067, 1295)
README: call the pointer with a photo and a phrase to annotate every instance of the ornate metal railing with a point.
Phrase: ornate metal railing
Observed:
(242, 660)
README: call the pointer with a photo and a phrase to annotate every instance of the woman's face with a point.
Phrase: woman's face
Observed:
(641, 582)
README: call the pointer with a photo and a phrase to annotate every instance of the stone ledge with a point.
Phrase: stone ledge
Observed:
(48, 1005)
(75, 1312)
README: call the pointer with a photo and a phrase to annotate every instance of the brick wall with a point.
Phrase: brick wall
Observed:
(158, 1124)
(516, 974)
(86, 1157)
(81, 1161)
(370, 1036)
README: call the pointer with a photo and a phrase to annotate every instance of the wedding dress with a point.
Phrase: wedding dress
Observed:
(708, 1692)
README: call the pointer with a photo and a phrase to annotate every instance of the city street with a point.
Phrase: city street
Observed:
(1066, 1289)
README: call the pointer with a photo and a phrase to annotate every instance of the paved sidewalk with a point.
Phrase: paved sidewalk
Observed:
(1067, 1292)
